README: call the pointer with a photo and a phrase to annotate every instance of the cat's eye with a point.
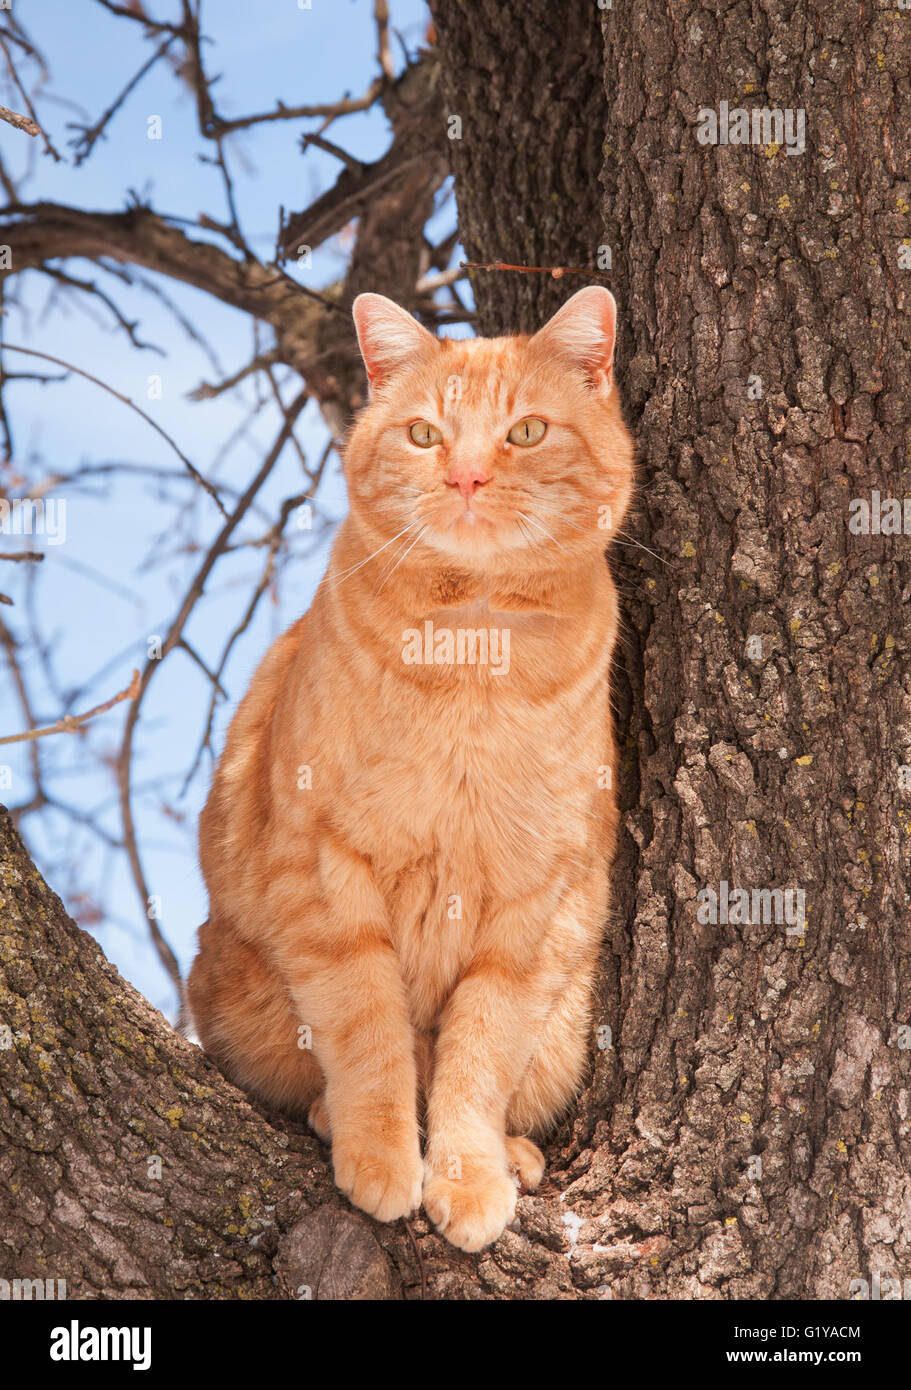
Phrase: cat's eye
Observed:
(425, 434)
(531, 430)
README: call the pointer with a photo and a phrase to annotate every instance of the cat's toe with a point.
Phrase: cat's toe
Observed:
(383, 1182)
(526, 1159)
(471, 1212)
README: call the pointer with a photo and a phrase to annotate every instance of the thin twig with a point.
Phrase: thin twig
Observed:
(136, 12)
(420, 1259)
(384, 53)
(273, 539)
(20, 122)
(49, 148)
(191, 468)
(556, 271)
(346, 107)
(71, 722)
(321, 143)
(85, 141)
(89, 287)
(172, 640)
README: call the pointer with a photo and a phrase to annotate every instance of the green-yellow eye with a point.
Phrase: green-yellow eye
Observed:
(531, 430)
(425, 434)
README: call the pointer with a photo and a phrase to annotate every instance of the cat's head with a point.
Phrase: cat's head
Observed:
(499, 453)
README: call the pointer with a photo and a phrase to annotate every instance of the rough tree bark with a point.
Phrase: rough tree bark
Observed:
(747, 1133)
(740, 270)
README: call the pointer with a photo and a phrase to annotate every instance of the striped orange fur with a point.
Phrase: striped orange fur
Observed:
(408, 837)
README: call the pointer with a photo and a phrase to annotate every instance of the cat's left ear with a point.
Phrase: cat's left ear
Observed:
(388, 336)
(583, 333)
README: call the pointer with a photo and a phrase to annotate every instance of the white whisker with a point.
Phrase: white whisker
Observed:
(532, 522)
(556, 511)
(630, 541)
(361, 563)
(420, 533)
(389, 566)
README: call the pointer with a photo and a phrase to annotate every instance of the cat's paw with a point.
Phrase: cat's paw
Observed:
(384, 1180)
(526, 1160)
(473, 1210)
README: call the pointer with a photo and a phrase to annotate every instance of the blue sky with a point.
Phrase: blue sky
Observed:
(97, 597)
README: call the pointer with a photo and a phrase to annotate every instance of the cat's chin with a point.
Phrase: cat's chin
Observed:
(475, 539)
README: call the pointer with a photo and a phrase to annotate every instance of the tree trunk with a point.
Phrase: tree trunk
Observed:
(524, 101)
(745, 1130)
(746, 1136)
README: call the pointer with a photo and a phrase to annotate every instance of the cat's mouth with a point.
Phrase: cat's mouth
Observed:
(472, 531)
(454, 516)
(471, 523)
(467, 518)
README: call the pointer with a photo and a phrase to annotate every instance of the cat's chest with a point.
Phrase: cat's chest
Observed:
(480, 769)
(484, 740)
(445, 756)
(472, 720)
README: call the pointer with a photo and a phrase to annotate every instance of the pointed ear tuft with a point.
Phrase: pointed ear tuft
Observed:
(583, 332)
(388, 336)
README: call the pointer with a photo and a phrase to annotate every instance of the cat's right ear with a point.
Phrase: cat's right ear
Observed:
(388, 336)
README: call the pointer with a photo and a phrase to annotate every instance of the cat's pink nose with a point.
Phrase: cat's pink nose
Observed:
(467, 479)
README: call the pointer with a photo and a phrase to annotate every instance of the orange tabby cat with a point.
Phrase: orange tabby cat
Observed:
(407, 841)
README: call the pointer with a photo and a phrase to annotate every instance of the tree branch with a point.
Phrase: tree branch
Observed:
(25, 123)
(70, 722)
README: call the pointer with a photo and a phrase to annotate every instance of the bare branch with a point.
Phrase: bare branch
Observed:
(20, 122)
(205, 391)
(70, 722)
(384, 54)
(346, 107)
(49, 148)
(172, 639)
(89, 287)
(555, 271)
(85, 142)
(136, 12)
(191, 468)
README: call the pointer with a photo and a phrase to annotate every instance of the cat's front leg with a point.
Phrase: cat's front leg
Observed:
(487, 1037)
(343, 975)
